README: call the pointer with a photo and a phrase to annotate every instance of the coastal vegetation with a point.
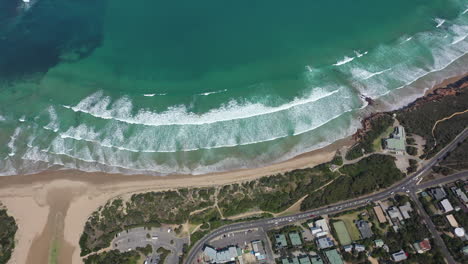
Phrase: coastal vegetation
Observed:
(422, 116)
(8, 230)
(368, 175)
(378, 124)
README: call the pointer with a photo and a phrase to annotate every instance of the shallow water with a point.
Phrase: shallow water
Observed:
(193, 87)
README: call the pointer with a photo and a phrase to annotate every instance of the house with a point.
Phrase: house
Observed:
(295, 239)
(259, 250)
(422, 246)
(348, 248)
(465, 250)
(461, 195)
(304, 260)
(399, 256)
(359, 248)
(380, 214)
(452, 221)
(394, 213)
(405, 210)
(333, 256)
(446, 206)
(220, 256)
(379, 243)
(438, 193)
(364, 229)
(397, 140)
(281, 241)
(324, 242)
(315, 230)
(322, 223)
(316, 259)
(290, 261)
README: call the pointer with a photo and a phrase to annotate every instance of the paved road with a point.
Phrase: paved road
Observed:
(402, 186)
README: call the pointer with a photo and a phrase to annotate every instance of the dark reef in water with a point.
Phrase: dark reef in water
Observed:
(33, 39)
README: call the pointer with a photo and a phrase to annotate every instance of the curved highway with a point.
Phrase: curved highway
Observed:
(406, 185)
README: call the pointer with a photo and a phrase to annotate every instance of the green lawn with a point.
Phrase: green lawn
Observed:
(342, 232)
(377, 143)
(352, 229)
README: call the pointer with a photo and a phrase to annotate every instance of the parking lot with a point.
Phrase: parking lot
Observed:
(242, 239)
(156, 237)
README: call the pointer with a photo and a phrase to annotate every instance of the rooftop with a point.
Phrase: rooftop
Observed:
(397, 140)
(325, 242)
(295, 239)
(364, 229)
(380, 214)
(333, 256)
(446, 205)
(281, 240)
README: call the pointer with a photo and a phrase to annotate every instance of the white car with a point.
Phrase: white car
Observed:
(154, 237)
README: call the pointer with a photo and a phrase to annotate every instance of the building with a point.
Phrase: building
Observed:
(322, 223)
(438, 193)
(452, 221)
(422, 246)
(258, 250)
(461, 195)
(295, 239)
(316, 259)
(348, 248)
(379, 243)
(397, 140)
(405, 210)
(324, 242)
(459, 232)
(364, 229)
(333, 257)
(315, 230)
(399, 256)
(294, 260)
(380, 214)
(281, 241)
(465, 250)
(394, 213)
(221, 256)
(304, 260)
(359, 248)
(446, 206)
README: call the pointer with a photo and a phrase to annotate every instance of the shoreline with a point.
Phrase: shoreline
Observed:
(61, 201)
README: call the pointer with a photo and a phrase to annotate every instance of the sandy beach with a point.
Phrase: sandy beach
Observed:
(52, 207)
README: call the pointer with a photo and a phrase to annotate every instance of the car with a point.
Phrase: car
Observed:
(407, 191)
(312, 215)
(169, 230)
(392, 193)
(154, 237)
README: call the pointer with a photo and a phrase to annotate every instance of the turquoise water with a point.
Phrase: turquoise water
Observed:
(166, 87)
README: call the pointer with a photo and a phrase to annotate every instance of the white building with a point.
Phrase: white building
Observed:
(446, 205)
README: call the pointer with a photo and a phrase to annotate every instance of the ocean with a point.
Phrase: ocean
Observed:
(192, 87)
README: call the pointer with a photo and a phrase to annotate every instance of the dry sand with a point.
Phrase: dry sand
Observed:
(52, 207)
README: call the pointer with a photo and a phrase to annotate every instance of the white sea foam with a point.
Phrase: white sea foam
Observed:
(22, 119)
(11, 143)
(439, 22)
(464, 12)
(149, 95)
(345, 60)
(2, 118)
(359, 55)
(215, 92)
(54, 123)
(99, 105)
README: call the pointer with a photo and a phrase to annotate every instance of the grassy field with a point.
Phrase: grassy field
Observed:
(342, 232)
(348, 220)
(377, 144)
